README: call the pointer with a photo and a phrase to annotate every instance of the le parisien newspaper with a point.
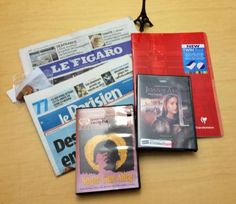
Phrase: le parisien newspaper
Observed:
(94, 68)
(53, 109)
(67, 56)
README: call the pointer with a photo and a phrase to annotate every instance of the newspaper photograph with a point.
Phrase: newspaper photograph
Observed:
(53, 109)
(67, 56)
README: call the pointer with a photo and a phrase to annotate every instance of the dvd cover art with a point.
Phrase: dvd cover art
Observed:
(165, 114)
(106, 149)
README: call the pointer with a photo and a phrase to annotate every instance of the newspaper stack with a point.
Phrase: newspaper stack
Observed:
(89, 68)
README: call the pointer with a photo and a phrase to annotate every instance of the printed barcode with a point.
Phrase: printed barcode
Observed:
(156, 143)
(145, 141)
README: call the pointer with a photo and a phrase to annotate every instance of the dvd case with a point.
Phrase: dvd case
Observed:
(106, 149)
(164, 113)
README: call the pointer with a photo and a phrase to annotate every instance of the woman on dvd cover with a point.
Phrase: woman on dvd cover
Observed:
(165, 116)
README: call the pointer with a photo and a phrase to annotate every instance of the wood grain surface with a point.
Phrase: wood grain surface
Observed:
(208, 176)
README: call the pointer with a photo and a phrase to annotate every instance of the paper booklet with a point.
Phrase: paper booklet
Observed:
(182, 54)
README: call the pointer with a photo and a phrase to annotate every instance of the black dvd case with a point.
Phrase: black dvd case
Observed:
(165, 113)
(106, 150)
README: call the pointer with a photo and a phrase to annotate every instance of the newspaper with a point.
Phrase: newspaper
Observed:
(67, 56)
(53, 109)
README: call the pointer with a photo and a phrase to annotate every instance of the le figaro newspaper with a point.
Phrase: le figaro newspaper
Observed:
(67, 56)
(53, 109)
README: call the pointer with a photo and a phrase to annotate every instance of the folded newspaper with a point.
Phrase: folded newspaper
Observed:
(67, 56)
(53, 109)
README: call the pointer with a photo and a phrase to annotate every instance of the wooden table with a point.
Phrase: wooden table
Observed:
(209, 176)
